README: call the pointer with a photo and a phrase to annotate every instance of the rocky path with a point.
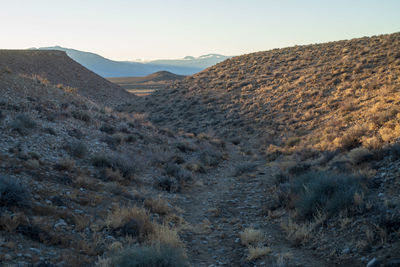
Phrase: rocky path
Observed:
(224, 206)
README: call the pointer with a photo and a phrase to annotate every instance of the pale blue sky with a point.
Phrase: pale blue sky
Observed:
(149, 29)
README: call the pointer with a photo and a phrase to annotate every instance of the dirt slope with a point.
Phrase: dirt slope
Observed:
(56, 68)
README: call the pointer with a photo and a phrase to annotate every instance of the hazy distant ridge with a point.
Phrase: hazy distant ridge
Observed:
(110, 68)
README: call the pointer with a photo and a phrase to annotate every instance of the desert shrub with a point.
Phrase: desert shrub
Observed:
(107, 128)
(154, 256)
(185, 147)
(327, 192)
(22, 124)
(210, 157)
(245, 167)
(13, 193)
(64, 165)
(359, 155)
(292, 141)
(299, 168)
(178, 172)
(167, 184)
(81, 115)
(77, 149)
(123, 163)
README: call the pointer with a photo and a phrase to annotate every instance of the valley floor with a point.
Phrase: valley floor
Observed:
(223, 206)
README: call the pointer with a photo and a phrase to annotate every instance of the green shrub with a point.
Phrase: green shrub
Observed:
(13, 193)
(22, 124)
(327, 192)
(163, 256)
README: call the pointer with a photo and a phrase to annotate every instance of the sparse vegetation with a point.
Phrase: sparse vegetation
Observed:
(295, 129)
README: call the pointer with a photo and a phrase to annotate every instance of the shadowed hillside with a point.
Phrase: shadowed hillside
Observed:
(56, 68)
(326, 120)
(80, 182)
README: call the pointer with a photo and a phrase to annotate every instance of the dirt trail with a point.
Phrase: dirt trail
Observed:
(222, 208)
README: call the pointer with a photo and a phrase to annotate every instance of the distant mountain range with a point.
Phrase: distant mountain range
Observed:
(110, 68)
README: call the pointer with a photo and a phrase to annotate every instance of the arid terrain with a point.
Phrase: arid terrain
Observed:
(142, 86)
(288, 157)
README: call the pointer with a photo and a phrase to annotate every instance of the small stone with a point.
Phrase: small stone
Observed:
(374, 263)
(237, 240)
(60, 223)
(7, 257)
(346, 251)
(37, 251)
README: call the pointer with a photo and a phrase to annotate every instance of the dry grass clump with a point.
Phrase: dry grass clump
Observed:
(257, 252)
(298, 233)
(251, 236)
(164, 235)
(254, 240)
(157, 205)
(130, 220)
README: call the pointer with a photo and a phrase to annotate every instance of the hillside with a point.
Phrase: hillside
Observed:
(142, 86)
(325, 120)
(318, 93)
(110, 68)
(57, 69)
(79, 182)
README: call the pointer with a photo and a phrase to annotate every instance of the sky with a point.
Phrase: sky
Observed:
(155, 29)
